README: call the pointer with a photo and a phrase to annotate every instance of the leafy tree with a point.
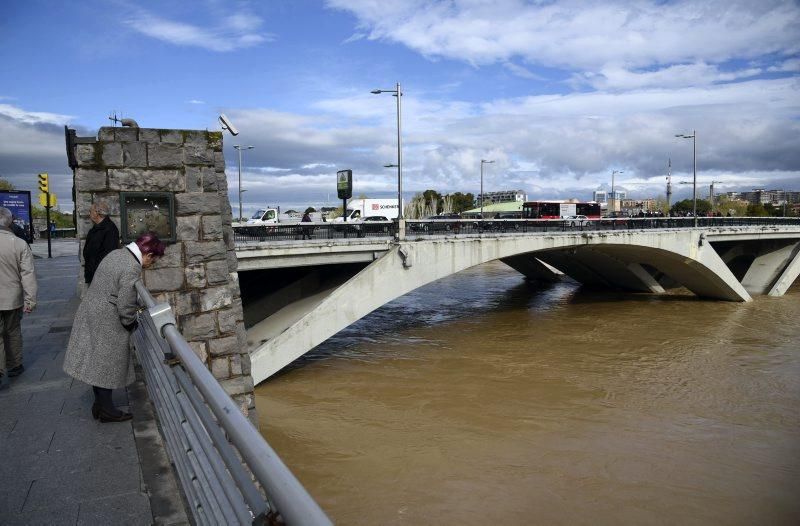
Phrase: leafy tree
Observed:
(681, 208)
(6, 185)
(757, 210)
(434, 200)
(461, 202)
(735, 207)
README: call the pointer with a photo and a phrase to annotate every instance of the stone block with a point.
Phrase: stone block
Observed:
(126, 134)
(225, 346)
(171, 136)
(233, 263)
(246, 364)
(149, 135)
(84, 225)
(186, 302)
(215, 141)
(195, 137)
(199, 327)
(188, 228)
(112, 154)
(215, 298)
(238, 386)
(217, 272)
(202, 251)
(236, 365)
(85, 154)
(163, 279)
(137, 179)
(90, 180)
(200, 178)
(219, 162)
(112, 200)
(200, 349)
(221, 367)
(173, 257)
(195, 275)
(222, 183)
(212, 227)
(164, 155)
(198, 154)
(106, 133)
(83, 201)
(134, 154)
(227, 319)
(197, 203)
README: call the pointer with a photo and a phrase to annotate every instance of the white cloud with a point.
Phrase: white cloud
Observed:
(229, 33)
(195, 101)
(583, 35)
(33, 117)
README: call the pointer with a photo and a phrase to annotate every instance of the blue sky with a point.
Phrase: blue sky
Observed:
(558, 94)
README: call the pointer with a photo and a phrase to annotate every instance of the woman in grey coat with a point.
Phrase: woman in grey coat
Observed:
(99, 352)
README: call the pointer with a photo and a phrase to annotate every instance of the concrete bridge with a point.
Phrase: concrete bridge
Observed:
(321, 286)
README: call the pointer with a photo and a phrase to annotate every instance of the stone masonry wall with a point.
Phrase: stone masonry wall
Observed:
(197, 274)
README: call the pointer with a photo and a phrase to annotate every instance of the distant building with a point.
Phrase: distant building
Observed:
(602, 196)
(634, 206)
(760, 196)
(503, 196)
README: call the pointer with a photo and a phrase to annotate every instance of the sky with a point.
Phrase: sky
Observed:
(558, 94)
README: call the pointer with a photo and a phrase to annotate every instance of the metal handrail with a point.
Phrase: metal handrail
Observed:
(282, 488)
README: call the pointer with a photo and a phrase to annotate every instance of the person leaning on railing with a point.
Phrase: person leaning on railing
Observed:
(98, 352)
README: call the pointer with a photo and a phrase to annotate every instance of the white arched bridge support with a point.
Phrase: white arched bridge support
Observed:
(617, 259)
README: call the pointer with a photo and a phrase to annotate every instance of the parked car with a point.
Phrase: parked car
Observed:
(578, 220)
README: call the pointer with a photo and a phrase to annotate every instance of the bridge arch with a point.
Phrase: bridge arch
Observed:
(623, 259)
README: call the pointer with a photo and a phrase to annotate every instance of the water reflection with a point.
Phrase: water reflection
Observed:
(481, 398)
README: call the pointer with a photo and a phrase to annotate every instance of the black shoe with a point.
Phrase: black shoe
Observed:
(119, 417)
(3, 382)
(16, 371)
(95, 411)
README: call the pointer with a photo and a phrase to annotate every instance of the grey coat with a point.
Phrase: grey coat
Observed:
(98, 352)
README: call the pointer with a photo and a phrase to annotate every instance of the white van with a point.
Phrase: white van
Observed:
(360, 209)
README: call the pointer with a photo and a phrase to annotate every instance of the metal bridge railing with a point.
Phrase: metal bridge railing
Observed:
(319, 230)
(220, 457)
(415, 228)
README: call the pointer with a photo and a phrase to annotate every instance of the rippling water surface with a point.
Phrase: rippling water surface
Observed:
(481, 399)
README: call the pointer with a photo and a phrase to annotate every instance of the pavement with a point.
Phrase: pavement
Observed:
(57, 464)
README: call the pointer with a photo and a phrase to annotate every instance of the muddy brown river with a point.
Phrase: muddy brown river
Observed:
(481, 399)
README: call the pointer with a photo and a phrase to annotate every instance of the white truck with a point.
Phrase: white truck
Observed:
(273, 216)
(360, 209)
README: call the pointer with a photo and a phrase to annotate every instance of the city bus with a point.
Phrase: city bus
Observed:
(560, 209)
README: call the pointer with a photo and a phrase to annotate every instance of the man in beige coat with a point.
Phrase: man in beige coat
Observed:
(17, 295)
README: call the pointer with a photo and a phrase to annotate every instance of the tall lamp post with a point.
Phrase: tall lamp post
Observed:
(397, 92)
(483, 161)
(239, 149)
(613, 193)
(693, 137)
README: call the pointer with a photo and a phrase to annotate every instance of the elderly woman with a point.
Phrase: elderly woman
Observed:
(99, 352)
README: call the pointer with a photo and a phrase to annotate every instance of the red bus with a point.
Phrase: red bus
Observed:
(559, 209)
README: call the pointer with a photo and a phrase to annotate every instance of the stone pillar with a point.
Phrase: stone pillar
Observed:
(197, 274)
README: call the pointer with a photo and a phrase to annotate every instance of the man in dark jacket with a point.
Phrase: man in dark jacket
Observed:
(100, 241)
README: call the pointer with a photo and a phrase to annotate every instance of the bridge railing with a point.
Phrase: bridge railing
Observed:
(444, 227)
(317, 230)
(228, 472)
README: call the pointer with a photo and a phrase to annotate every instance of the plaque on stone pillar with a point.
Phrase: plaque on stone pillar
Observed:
(142, 212)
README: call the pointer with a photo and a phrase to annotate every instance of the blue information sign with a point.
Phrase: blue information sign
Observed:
(19, 202)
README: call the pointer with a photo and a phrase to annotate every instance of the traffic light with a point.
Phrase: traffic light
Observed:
(44, 185)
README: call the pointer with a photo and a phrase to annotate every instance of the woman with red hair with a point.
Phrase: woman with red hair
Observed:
(99, 352)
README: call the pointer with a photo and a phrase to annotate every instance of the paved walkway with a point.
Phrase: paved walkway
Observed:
(57, 464)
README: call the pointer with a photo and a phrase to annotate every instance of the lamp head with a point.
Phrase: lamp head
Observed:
(376, 92)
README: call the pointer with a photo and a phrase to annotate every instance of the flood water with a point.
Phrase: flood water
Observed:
(481, 399)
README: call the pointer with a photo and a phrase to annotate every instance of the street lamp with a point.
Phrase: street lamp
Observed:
(397, 93)
(239, 149)
(483, 161)
(693, 137)
(613, 194)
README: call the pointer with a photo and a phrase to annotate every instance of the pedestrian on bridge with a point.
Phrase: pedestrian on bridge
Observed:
(18, 286)
(99, 345)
